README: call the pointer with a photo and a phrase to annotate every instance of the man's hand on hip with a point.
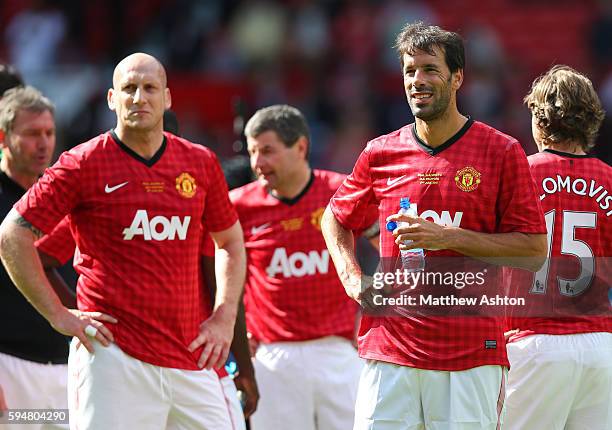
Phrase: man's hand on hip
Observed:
(216, 335)
(84, 325)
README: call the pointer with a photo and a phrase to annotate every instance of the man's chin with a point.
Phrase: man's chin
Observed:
(138, 124)
(426, 114)
(266, 183)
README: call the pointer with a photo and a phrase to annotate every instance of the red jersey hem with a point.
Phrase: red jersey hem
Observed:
(526, 333)
(155, 360)
(349, 337)
(402, 362)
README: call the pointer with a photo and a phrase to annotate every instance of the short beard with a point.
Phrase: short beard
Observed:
(440, 106)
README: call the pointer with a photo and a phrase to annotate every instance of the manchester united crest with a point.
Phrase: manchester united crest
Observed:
(185, 185)
(467, 179)
(315, 218)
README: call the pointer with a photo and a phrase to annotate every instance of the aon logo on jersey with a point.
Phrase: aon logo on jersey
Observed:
(158, 228)
(443, 218)
(298, 264)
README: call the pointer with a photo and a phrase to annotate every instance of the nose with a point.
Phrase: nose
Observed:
(418, 78)
(256, 160)
(138, 95)
(46, 140)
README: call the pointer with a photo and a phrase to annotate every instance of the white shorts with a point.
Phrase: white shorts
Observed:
(560, 382)
(308, 385)
(231, 398)
(30, 385)
(393, 397)
(112, 390)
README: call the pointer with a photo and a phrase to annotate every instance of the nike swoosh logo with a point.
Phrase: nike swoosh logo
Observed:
(108, 189)
(394, 181)
(259, 229)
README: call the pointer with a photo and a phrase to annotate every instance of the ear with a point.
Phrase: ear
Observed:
(168, 98)
(457, 79)
(302, 144)
(110, 99)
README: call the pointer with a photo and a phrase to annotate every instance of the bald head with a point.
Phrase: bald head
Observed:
(137, 62)
(139, 94)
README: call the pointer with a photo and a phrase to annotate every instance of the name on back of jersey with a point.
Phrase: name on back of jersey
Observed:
(157, 228)
(298, 264)
(579, 186)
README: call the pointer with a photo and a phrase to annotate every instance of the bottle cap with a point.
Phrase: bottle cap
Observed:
(391, 225)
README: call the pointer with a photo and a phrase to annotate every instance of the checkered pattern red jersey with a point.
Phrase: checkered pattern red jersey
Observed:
(478, 180)
(137, 224)
(292, 290)
(575, 194)
(59, 244)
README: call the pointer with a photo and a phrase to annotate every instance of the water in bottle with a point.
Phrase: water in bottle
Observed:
(413, 260)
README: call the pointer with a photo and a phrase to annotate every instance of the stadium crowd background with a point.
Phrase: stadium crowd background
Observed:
(331, 59)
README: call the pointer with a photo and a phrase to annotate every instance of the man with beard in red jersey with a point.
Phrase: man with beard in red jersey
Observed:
(435, 371)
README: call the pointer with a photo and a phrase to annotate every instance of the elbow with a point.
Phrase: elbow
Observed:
(4, 239)
(536, 263)
(327, 222)
(330, 227)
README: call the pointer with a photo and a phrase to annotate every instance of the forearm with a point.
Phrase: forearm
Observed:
(230, 271)
(526, 251)
(240, 344)
(341, 245)
(23, 265)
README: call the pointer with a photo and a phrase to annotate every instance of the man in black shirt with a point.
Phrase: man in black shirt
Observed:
(33, 356)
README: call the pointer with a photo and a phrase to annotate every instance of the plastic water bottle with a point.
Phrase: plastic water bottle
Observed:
(413, 260)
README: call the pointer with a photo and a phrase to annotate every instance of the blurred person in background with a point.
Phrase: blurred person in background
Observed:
(9, 78)
(153, 362)
(300, 321)
(33, 356)
(561, 367)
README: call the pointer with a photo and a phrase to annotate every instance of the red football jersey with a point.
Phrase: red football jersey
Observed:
(59, 244)
(478, 180)
(292, 291)
(208, 245)
(575, 197)
(137, 224)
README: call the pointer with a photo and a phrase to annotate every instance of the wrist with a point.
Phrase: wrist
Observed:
(226, 312)
(246, 369)
(56, 313)
(451, 238)
(351, 275)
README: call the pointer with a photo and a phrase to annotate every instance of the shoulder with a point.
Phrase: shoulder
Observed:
(390, 139)
(538, 159)
(328, 177)
(492, 137)
(190, 148)
(246, 195)
(602, 166)
(87, 150)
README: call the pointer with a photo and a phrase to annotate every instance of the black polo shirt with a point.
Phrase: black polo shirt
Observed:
(24, 333)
